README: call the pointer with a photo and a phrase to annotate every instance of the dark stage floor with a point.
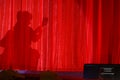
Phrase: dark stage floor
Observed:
(34, 75)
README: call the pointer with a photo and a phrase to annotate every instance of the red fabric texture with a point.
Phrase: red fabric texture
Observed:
(76, 32)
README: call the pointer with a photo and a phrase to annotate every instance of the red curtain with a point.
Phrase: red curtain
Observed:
(77, 32)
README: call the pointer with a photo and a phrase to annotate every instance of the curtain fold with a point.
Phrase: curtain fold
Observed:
(77, 32)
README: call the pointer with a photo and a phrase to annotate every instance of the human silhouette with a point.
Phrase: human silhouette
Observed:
(18, 41)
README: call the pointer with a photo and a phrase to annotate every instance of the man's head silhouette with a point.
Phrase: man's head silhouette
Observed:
(24, 17)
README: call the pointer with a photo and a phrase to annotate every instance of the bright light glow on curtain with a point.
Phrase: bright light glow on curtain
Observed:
(77, 32)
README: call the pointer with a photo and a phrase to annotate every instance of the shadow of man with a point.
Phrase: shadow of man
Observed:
(17, 43)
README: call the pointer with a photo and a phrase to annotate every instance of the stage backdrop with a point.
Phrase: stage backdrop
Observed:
(75, 32)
